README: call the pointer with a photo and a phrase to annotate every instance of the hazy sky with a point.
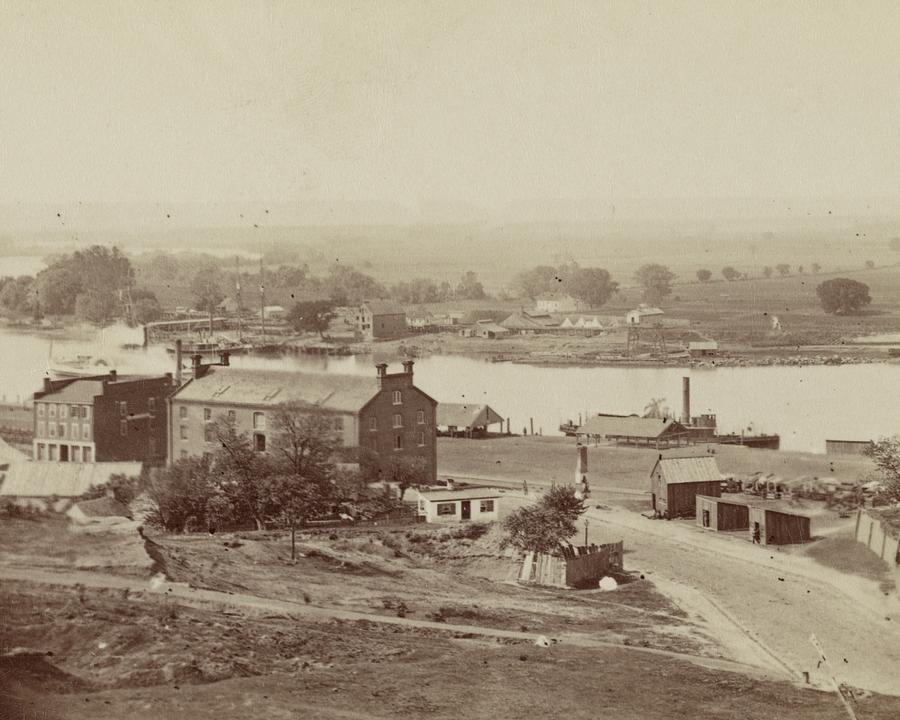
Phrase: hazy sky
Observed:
(427, 106)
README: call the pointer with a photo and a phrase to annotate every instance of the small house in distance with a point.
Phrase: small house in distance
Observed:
(380, 319)
(633, 430)
(480, 504)
(676, 482)
(847, 447)
(703, 348)
(557, 303)
(771, 526)
(642, 314)
(468, 420)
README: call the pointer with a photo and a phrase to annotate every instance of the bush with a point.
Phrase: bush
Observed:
(470, 531)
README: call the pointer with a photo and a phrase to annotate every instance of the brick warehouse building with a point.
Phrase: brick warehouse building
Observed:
(384, 412)
(102, 418)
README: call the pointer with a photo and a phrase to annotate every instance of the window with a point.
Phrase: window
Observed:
(85, 432)
(398, 442)
(259, 421)
(446, 508)
(40, 428)
(40, 409)
(63, 409)
(397, 398)
(420, 417)
(209, 433)
(54, 452)
(184, 455)
(184, 434)
(151, 404)
(182, 412)
(76, 453)
(232, 416)
(259, 442)
(74, 431)
(398, 420)
(41, 451)
(123, 409)
(62, 430)
(51, 410)
(420, 439)
(487, 506)
(86, 454)
(339, 423)
(207, 414)
(86, 414)
(373, 423)
(52, 428)
(123, 428)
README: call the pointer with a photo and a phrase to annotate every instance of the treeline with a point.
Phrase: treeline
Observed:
(96, 285)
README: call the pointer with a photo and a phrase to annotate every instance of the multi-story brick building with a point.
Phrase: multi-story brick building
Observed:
(102, 418)
(380, 319)
(385, 413)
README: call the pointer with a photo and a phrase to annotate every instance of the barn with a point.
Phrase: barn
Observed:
(722, 514)
(634, 430)
(676, 482)
(769, 526)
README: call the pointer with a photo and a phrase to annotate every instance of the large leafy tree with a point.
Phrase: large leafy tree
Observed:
(843, 296)
(656, 281)
(886, 455)
(470, 287)
(405, 472)
(729, 273)
(543, 526)
(206, 288)
(536, 281)
(180, 493)
(593, 286)
(704, 275)
(311, 316)
(97, 306)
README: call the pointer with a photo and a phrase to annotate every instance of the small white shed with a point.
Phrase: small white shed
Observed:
(479, 504)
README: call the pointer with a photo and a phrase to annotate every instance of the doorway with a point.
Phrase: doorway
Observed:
(466, 510)
(64, 453)
(706, 518)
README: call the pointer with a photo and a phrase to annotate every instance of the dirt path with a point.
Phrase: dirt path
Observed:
(239, 602)
(777, 600)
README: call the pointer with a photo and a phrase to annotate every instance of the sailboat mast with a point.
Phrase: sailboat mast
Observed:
(237, 289)
(262, 300)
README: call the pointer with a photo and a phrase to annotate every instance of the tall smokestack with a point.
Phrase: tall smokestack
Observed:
(685, 401)
(178, 362)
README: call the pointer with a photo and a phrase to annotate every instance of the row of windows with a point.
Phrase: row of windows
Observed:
(398, 442)
(63, 411)
(397, 420)
(69, 453)
(63, 430)
(486, 506)
(259, 418)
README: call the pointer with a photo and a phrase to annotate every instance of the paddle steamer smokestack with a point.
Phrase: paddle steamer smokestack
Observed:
(685, 401)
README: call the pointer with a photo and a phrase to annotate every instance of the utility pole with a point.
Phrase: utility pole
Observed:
(237, 297)
(585, 532)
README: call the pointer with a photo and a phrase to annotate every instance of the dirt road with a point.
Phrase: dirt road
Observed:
(778, 600)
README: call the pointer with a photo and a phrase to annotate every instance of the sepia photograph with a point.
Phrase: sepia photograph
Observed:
(449, 359)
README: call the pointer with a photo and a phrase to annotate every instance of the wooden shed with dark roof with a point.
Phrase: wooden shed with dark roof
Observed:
(676, 482)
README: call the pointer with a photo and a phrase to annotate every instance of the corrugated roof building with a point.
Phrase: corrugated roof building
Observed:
(634, 430)
(54, 485)
(675, 484)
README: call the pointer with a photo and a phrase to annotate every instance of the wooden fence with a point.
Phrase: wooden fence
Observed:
(876, 535)
(574, 567)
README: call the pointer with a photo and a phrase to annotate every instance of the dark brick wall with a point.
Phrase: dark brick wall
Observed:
(383, 409)
(141, 423)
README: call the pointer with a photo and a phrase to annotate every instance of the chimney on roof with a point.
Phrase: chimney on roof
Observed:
(48, 385)
(451, 485)
(178, 362)
(408, 367)
(197, 364)
(381, 372)
(113, 376)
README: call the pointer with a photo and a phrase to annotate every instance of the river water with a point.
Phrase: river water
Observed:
(805, 405)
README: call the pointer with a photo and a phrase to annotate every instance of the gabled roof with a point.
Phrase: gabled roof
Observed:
(103, 507)
(522, 320)
(630, 426)
(79, 391)
(46, 479)
(688, 469)
(234, 386)
(462, 415)
(383, 307)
